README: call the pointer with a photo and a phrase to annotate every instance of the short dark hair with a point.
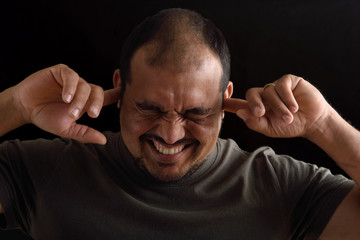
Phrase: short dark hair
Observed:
(162, 29)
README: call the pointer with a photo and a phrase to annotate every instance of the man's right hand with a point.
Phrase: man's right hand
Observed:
(55, 97)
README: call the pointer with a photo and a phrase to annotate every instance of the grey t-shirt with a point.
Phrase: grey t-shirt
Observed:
(64, 189)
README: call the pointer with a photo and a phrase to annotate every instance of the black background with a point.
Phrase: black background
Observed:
(318, 40)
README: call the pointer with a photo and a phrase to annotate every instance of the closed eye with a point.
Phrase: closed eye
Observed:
(194, 114)
(197, 114)
(148, 108)
(199, 111)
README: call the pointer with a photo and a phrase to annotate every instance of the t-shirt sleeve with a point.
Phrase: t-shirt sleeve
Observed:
(311, 194)
(24, 168)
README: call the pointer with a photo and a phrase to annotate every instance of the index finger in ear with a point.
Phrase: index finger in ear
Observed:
(234, 104)
(111, 96)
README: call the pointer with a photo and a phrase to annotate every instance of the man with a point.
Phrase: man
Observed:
(166, 174)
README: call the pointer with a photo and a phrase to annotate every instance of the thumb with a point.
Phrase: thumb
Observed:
(244, 114)
(85, 134)
(258, 124)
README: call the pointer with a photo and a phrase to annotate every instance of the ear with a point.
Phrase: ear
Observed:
(227, 94)
(117, 82)
(229, 90)
(117, 78)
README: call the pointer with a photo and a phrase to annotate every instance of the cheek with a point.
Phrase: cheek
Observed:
(134, 124)
(131, 130)
(205, 132)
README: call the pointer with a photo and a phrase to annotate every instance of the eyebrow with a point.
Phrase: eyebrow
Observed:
(148, 106)
(198, 111)
(153, 107)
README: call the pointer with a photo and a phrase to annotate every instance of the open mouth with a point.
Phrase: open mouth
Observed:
(168, 149)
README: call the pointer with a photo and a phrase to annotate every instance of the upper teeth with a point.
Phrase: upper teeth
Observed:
(168, 151)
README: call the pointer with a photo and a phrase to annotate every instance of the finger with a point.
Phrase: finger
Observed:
(254, 123)
(254, 98)
(111, 96)
(80, 98)
(68, 79)
(244, 114)
(234, 104)
(95, 101)
(85, 134)
(284, 88)
(276, 105)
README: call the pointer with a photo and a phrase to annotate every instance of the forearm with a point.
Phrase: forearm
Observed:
(10, 116)
(340, 141)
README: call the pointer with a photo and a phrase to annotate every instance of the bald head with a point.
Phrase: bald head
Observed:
(178, 42)
(174, 38)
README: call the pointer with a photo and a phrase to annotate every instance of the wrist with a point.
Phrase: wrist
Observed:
(12, 110)
(19, 109)
(340, 141)
(325, 127)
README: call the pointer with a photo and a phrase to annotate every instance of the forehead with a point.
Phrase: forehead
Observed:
(176, 83)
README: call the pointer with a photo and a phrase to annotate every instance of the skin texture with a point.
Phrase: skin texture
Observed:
(180, 109)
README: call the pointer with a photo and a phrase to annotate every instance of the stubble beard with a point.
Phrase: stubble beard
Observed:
(140, 162)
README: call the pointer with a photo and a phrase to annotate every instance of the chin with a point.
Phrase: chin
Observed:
(165, 172)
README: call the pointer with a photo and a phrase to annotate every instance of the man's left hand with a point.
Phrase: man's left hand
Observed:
(288, 107)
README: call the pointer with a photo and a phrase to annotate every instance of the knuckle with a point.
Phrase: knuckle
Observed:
(251, 92)
(290, 77)
(67, 73)
(85, 86)
(248, 92)
(61, 65)
(267, 93)
(284, 79)
(281, 87)
(72, 74)
(72, 78)
(96, 88)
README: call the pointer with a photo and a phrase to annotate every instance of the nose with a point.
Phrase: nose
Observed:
(171, 130)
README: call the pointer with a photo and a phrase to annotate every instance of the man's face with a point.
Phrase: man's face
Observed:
(170, 120)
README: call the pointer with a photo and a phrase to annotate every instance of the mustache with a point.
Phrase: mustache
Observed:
(148, 136)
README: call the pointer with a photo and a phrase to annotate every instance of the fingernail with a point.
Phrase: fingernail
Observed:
(293, 109)
(68, 98)
(257, 111)
(95, 110)
(75, 112)
(287, 118)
